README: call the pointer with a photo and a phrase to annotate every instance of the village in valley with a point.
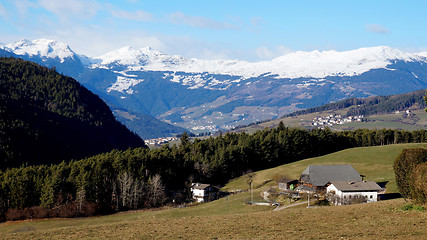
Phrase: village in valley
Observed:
(335, 119)
(159, 141)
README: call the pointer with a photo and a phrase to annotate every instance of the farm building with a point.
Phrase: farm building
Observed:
(347, 192)
(204, 192)
(317, 177)
(288, 184)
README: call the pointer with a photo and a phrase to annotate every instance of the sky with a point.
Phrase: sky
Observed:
(221, 29)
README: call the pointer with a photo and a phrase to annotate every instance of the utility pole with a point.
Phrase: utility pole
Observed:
(308, 200)
(252, 193)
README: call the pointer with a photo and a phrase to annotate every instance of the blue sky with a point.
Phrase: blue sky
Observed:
(233, 29)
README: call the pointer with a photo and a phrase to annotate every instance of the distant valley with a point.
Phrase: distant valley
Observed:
(403, 111)
(209, 95)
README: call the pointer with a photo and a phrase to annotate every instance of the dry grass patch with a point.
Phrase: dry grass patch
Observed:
(381, 220)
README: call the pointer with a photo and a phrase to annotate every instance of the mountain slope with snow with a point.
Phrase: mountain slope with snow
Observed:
(313, 64)
(205, 95)
(42, 48)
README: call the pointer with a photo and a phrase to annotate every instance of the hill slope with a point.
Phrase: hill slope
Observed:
(379, 111)
(47, 118)
(231, 218)
(376, 163)
(372, 105)
(147, 126)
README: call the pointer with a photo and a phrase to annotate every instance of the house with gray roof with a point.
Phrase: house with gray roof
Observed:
(318, 176)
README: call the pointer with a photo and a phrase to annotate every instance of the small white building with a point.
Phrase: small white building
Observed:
(347, 192)
(203, 192)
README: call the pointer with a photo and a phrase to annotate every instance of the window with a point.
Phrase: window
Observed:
(370, 196)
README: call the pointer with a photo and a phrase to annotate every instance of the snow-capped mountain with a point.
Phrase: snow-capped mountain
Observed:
(42, 48)
(208, 94)
(299, 64)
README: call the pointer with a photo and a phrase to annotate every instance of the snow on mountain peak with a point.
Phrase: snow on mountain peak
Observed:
(299, 64)
(139, 58)
(41, 47)
(314, 64)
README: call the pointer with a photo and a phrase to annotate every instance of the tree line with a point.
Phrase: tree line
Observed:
(140, 178)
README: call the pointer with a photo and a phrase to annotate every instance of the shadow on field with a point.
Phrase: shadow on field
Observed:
(388, 196)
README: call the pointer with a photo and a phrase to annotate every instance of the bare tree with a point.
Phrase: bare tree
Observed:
(138, 194)
(126, 182)
(81, 197)
(157, 194)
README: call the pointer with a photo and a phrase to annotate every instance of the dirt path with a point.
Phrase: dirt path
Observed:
(288, 206)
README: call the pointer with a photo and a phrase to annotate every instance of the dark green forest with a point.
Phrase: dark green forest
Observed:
(46, 118)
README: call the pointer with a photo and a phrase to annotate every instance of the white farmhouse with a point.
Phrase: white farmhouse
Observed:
(203, 192)
(347, 192)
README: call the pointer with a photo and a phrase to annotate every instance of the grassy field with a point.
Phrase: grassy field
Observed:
(232, 218)
(381, 220)
(376, 163)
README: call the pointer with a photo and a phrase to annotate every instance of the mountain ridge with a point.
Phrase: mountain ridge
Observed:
(220, 94)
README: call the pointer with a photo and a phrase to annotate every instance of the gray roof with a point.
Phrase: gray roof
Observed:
(365, 186)
(320, 175)
(286, 180)
(200, 186)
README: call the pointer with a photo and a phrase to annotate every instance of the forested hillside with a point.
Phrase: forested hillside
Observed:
(147, 126)
(372, 105)
(46, 118)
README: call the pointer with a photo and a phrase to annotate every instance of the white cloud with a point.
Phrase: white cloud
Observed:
(23, 6)
(3, 11)
(266, 53)
(147, 41)
(375, 28)
(199, 22)
(257, 21)
(80, 8)
(138, 15)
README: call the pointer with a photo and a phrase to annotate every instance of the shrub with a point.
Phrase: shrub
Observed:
(403, 167)
(69, 210)
(40, 212)
(419, 184)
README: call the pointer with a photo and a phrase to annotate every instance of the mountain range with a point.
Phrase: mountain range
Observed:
(207, 95)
